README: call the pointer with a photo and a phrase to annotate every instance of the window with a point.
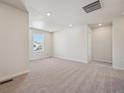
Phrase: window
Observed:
(38, 43)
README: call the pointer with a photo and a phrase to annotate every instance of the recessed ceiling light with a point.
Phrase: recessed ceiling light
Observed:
(100, 24)
(48, 14)
(70, 25)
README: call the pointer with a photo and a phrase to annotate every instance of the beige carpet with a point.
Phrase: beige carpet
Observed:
(62, 76)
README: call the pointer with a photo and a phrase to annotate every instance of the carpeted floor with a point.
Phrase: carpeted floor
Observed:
(61, 76)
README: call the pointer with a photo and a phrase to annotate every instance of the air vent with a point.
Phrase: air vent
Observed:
(92, 7)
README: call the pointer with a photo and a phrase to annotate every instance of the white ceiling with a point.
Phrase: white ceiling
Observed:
(65, 12)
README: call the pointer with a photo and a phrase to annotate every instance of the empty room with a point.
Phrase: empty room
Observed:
(62, 46)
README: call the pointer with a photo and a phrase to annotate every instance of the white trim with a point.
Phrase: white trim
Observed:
(33, 28)
(14, 75)
(102, 60)
(71, 59)
(119, 68)
(35, 59)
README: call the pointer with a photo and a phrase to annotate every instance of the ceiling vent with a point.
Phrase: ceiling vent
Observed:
(92, 7)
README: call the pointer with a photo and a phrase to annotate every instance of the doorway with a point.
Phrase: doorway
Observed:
(102, 45)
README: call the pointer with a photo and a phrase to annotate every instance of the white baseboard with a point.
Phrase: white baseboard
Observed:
(71, 59)
(102, 60)
(34, 59)
(14, 75)
(119, 68)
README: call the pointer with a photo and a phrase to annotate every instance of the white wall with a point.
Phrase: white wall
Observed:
(72, 44)
(102, 44)
(13, 42)
(89, 44)
(118, 43)
(48, 45)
